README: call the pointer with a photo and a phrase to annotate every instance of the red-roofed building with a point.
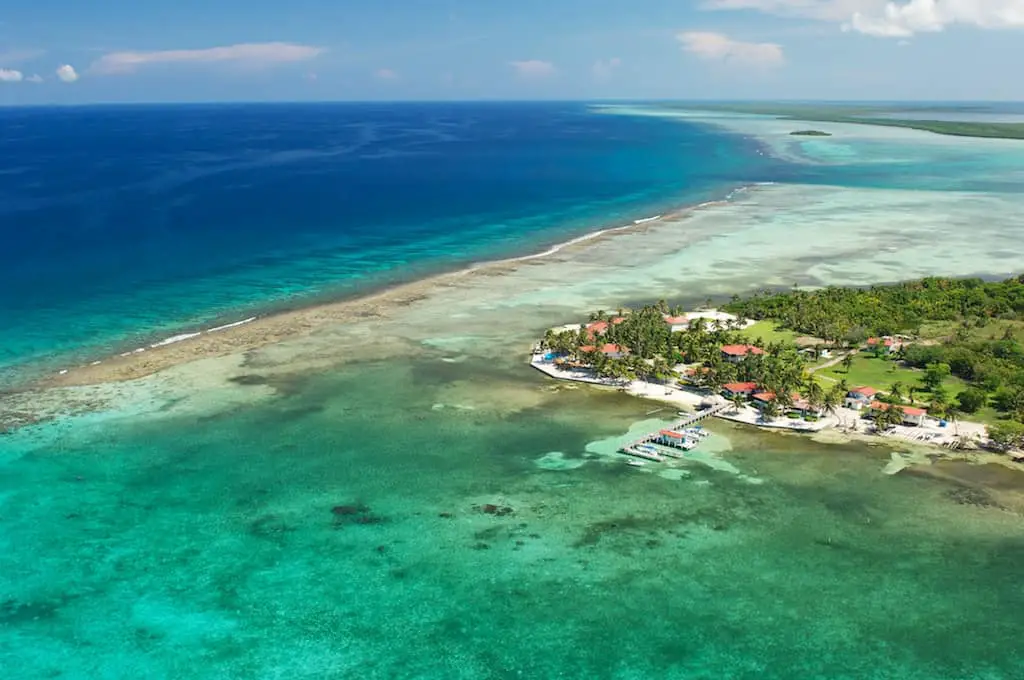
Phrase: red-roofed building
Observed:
(911, 414)
(610, 350)
(735, 353)
(677, 323)
(745, 389)
(887, 343)
(859, 397)
(595, 328)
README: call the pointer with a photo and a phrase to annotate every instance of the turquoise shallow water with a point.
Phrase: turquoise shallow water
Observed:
(207, 547)
(336, 529)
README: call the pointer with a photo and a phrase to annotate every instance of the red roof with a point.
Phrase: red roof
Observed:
(673, 434)
(602, 326)
(612, 349)
(740, 386)
(741, 350)
(765, 396)
(908, 410)
(885, 341)
(866, 391)
(587, 348)
(677, 320)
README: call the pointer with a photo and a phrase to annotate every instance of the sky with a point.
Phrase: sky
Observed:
(74, 52)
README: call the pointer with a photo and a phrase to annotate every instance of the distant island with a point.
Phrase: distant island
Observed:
(933, 361)
(811, 133)
(869, 115)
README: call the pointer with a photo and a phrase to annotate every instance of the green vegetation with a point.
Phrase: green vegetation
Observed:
(953, 346)
(768, 331)
(867, 115)
(962, 346)
(865, 369)
(811, 133)
(654, 351)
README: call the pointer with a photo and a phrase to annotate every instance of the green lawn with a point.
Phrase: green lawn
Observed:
(769, 332)
(868, 371)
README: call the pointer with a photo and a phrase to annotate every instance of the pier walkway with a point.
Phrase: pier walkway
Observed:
(690, 420)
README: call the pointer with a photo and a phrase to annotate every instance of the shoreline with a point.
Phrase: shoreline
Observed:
(260, 330)
(828, 430)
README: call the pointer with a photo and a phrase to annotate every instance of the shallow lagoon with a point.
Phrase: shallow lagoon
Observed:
(206, 546)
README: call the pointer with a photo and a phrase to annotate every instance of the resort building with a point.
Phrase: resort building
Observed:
(714, 320)
(595, 328)
(859, 397)
(610, 350)
(744, 389)
(911, 415)
(677, 324)
(736, 353)
(674, 439)
(888, 344)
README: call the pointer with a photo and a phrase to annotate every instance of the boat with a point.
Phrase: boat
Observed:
(649, 455)
(635, 463)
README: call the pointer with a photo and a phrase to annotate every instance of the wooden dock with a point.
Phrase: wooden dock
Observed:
(690, 420)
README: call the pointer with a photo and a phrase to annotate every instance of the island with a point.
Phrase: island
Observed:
(917, 119)
(935, 361)
(811, 133)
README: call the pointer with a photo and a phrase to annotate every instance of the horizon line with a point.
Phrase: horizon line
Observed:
(702, 100)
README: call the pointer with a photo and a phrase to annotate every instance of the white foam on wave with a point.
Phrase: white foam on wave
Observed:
(175, 338)
(231, 325)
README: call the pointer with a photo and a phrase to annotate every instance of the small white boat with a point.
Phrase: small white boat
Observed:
(636, 463)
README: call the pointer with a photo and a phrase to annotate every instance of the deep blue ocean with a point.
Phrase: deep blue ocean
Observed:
(120, 225)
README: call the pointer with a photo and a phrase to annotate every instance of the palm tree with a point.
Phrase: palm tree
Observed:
(737, 402)
(831, 401)
(848, 362)
(896, 391)
(814, 394)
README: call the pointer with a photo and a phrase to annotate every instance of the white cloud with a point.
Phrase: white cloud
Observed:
(718, 47)
(533, 68)
(250, 54)
(603, 69)
(34, 78)
(886, 18)
(67, 73)
(9, 75)
(386, 74)
(901, 20)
